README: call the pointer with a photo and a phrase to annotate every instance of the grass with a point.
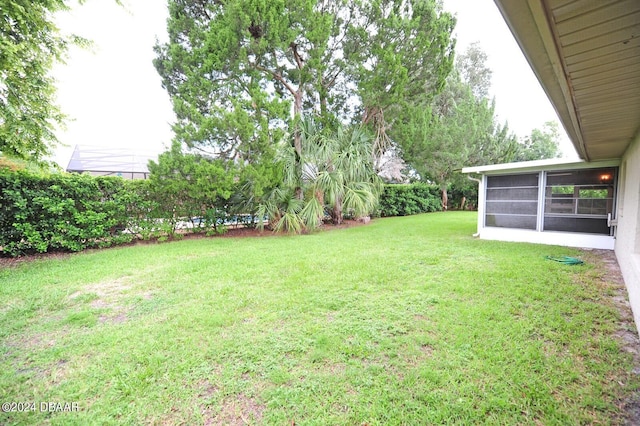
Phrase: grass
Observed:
(404, 321)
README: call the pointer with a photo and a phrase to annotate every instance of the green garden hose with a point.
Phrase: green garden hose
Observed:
(566, 260)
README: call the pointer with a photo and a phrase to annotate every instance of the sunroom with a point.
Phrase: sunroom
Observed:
(561, 202)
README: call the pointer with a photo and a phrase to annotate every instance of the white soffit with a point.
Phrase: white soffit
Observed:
(586, 55)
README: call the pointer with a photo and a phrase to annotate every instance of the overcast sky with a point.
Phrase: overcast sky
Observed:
(114, 96)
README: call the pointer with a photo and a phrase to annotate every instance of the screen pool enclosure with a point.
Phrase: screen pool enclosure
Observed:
(108, 161)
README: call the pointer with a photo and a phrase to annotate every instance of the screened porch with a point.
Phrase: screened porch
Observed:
(550, 201)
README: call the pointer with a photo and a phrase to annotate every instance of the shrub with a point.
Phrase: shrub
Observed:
(41, 213)
(463, 197)
(408, 199)
(191, 187)
(70, 212)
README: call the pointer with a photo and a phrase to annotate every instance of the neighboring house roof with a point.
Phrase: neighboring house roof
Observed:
(586, 55)
(96, 159)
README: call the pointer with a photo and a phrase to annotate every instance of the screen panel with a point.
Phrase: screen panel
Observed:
(579, 200)
(512, 201)
(576, 224)
(510, 221)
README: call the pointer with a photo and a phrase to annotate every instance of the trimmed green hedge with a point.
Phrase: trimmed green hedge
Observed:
(61, 212)
(71, 212)
(408, 199)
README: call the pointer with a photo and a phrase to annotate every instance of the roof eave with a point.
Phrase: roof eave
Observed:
(540, 165)
(529, 23)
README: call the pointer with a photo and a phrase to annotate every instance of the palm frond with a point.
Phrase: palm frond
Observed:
(289, 222)
(360, 198)
(312, 213)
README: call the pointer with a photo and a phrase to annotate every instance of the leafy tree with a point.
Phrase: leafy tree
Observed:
(459, 129)
(255, 183)
(211, 73)
(408, 54)
(240, 72)
(29, 45)
(473, 69)
(541, 144)
(190, 186)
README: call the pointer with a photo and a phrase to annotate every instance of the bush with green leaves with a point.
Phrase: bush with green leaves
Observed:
(69, 212)
(191, 188)
(40, 213)
(409, 199)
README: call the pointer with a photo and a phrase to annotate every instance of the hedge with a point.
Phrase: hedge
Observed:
(61, 212)
(71, 212)
(408, 199)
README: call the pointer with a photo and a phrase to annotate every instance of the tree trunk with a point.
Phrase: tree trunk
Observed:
(297, 116)
(323, 102)
(445, 199)
(374, 116)
(337, 211)
(463, 202)
(297, 138)
(320, 197)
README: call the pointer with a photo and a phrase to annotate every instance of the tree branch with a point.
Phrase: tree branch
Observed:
(296, 55)
(278, 77)
(332, 80)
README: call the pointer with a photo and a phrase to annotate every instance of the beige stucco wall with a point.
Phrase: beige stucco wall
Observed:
(627, 245)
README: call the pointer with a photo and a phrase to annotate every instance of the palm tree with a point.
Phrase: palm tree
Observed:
(348, 177)
(337, 175)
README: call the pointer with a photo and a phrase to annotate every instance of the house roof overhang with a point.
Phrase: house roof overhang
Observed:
(586, 55)
(540, 165)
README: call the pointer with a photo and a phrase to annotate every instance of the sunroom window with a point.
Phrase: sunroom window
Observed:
(579, 201)
(512, 201)
(569, 201)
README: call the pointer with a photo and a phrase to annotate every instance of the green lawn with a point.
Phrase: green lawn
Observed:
(403, 321)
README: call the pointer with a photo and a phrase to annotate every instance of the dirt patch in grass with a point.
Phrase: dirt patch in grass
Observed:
(627, 334)
(427, 350)
(235, 410)
(107, 296)
(44, 340)
(104, 290)
(117, 318)
(330, 368)
(207, 389)
(53, 371)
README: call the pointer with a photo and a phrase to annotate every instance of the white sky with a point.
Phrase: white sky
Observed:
(520, 100)
(114, 96)
(112, 92)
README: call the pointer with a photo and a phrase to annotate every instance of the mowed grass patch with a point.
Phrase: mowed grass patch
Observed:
(403, 321)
